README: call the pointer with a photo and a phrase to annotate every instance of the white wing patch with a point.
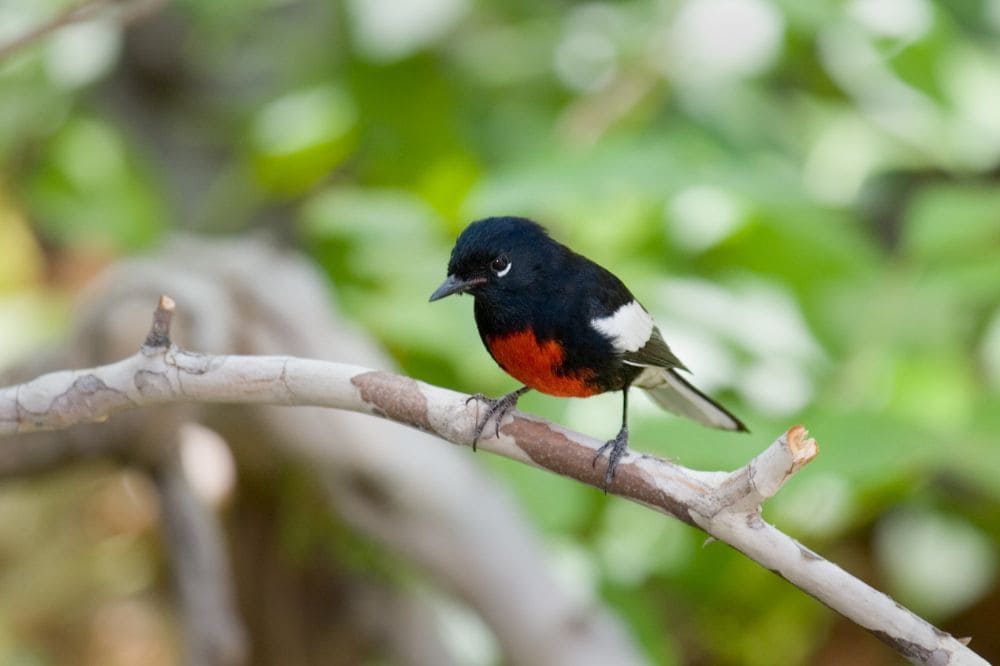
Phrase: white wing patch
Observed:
(629, 327)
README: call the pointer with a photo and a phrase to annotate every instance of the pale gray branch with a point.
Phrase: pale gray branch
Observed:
(726, 506)
(382, 479)
(214, 634)
(128, 12)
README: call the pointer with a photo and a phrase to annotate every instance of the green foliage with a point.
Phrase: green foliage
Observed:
(91, 191)
(300, 138)
(809, 207)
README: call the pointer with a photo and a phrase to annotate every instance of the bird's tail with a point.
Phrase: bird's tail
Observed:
(672, 392)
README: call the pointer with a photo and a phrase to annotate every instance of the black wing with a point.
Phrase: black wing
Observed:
(654, 353)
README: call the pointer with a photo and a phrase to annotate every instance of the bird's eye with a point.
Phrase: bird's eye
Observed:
(500, 265)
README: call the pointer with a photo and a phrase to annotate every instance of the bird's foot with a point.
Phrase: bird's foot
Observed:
(616, 449)
(496, 410)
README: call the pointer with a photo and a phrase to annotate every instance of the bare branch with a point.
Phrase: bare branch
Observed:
(213, 632)
(131, 11)
(159, 332)
(726, 506)
(382, 478)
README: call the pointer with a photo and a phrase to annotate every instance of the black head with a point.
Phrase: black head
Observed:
(497, 254)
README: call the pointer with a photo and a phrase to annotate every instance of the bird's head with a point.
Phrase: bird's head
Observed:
(497, 255)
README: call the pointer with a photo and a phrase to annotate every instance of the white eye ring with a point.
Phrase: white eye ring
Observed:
(501, 261)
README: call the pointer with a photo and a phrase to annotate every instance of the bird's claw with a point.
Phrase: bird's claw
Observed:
(497, 409)
(618, 447)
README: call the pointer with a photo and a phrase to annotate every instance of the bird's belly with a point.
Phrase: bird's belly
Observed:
(538, 364)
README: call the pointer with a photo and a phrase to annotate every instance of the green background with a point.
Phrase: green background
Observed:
(805, 195)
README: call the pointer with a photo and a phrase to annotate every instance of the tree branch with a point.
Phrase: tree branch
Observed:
(214, 633)
(725, 505)
(382, 479)
(130, 11)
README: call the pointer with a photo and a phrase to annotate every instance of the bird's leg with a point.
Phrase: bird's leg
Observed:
(497, 409)
(618, 446)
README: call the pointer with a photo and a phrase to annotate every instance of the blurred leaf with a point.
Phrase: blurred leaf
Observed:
(21, 260)
(936, 392)
(938, 564)
(298, 139)
(408, 115)
(29, 319)
(954, 223)
(89, 190)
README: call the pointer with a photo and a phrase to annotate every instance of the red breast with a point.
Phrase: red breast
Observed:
(538, 364)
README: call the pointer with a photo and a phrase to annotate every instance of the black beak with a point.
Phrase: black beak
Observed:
(454, 285)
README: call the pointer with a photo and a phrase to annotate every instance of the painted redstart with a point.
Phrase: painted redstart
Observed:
(559, 323)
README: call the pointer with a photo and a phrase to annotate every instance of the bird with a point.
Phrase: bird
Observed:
(563, 325)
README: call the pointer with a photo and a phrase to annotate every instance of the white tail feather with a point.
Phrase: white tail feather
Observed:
(670, 391)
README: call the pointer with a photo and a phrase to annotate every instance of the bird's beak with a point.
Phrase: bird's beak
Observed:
(454, 285)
